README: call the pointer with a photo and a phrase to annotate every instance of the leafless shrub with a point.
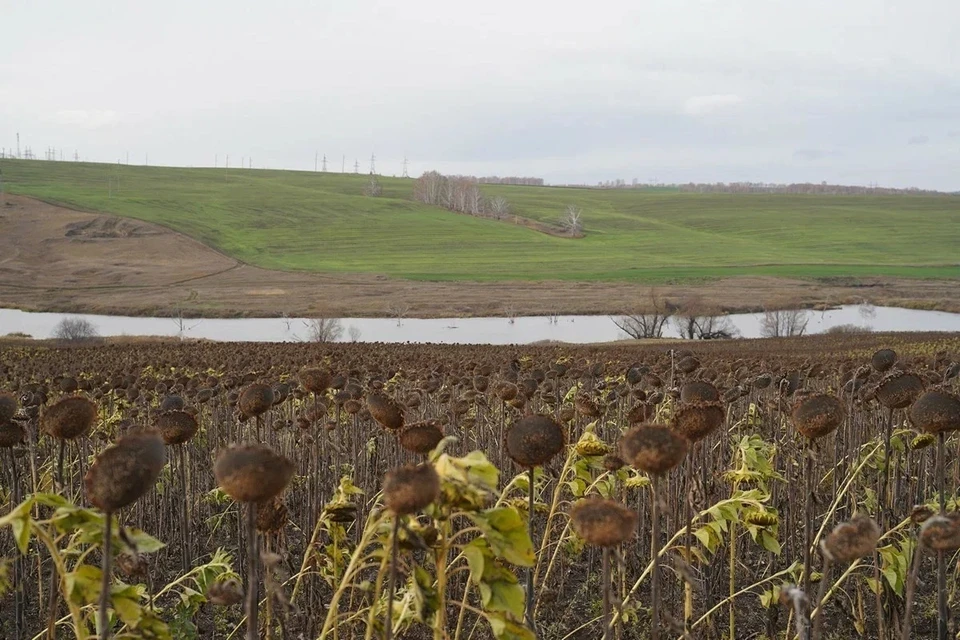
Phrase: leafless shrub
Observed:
(354, 333)
(324, 329)
(785, 323)
(74, 329)
(648, 321)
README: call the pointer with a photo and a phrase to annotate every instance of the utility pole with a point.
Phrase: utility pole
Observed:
(18, 145)
(405, 174)
(356, 166)
(373, 164)
(324, 169)
(343, 164)
(146, 159)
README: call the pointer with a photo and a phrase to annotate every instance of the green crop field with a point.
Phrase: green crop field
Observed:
(321, 222)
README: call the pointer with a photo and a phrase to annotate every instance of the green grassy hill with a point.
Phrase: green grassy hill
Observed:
(322, 222)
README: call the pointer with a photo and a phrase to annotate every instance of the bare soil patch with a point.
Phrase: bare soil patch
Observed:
(57, 259)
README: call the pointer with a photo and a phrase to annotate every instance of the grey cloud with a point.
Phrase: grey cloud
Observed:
(759, 90)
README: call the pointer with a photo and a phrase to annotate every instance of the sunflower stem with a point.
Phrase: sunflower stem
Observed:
(392, 581)
(106, 565)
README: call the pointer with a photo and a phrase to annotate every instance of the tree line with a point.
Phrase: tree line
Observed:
(798, 188)
(530, 182)
(462, 194)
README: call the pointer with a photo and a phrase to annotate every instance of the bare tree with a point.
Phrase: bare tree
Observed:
(499, 207)
(373, 188)
(354, 333)
(782, 324)
(648, 320)
(323, 329)
(399, 311)
(430, 188)
(571, 220)
(183, 324)
(74, 329)
(695, 320)
(716, 327)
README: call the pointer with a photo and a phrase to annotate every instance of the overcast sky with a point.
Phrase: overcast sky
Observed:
(848, 91)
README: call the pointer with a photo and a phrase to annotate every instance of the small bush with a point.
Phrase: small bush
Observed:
(849, 329)
(73, 329)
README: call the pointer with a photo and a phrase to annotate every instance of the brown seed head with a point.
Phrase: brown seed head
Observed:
(603, 523)
(920, 513)
(385, 411)
(936, 411)
(69, 418)
(421, 437)
(272, 515)
(172, 403)
(534, 440)
(11, 433)
(255, 400)
(586, 406)
(818, 415)
(883, 360)
(252, 472)
(612, 462)
(411, 488)
(125, 471)
(8, 406)
(688, 365)
(898, 389)
(315, 380)
(698, 391)
(176, 427)
(225, 593)
(762, 381)
(696, 420)
(941, 532)
(851, 540)
(653, 448)
(641, 412)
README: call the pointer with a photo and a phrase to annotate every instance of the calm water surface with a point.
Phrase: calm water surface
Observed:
(523, 330)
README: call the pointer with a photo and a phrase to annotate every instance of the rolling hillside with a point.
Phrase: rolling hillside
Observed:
(321, 222)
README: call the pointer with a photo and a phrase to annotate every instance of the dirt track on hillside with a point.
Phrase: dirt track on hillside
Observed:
(57, 259)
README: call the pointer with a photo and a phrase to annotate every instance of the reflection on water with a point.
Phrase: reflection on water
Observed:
(523, 330)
